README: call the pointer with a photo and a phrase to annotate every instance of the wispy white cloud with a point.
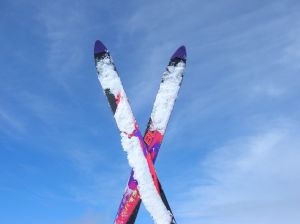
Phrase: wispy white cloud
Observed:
(89, 218)
(10, 124)
(94, 171)
(41, 107)
(64, 32)
(268, 90)
(85, 159)
(291, 54)
(247, 47)
(252, 179)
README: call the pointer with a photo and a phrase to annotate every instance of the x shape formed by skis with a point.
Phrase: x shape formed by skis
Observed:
(142, 151)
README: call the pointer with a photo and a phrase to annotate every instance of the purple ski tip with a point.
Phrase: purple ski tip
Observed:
(99, 47)
(180, 53)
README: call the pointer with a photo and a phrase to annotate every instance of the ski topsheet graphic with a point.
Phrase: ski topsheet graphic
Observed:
(154, 133)
(141, 152)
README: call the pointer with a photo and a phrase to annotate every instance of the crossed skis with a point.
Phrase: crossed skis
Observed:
(141, 151)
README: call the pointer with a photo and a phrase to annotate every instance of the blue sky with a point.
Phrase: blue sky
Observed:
(231, 151)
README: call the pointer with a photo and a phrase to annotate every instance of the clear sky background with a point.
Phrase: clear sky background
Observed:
(232, 148)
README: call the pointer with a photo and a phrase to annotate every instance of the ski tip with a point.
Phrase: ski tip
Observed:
(99, 47)
(180, 53)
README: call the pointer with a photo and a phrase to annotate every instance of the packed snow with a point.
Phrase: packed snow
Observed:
(109, 79)
(166, 97)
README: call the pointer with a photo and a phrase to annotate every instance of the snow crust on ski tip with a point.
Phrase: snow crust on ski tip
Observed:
(99, 47)
(180, 53)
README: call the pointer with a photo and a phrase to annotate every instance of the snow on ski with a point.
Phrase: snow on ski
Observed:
(160, 115)
(138, 157)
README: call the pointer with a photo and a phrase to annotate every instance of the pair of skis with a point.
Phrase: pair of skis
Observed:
(142, 151)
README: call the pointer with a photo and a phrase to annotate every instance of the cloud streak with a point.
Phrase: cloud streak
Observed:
(253, 179)
(89, 218)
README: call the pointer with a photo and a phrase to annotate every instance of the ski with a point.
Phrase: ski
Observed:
(131, 139)
(160, 115)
